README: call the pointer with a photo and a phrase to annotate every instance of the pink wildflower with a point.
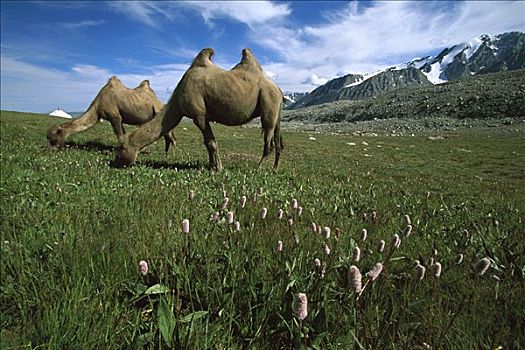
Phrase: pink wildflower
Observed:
(326, 232)
(300, 306)
(317, 263)
(225, 202)
(229, 217)
(435, 269)
(143, 267)
(243, 201)
(482, 266)
(295, 204)
(355, 279)
(191, 195)
(264, 211)
(396, 241)
(279, 246)
(376, 270)
(381, 246)
(280, 214)
(215, 216)
(408, 230)
(420, 271)
(290, 221)
(364, 233)
(186, 226)
(356, 255)
(326, 249)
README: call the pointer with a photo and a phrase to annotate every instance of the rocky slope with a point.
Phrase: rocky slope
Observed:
(495, 95)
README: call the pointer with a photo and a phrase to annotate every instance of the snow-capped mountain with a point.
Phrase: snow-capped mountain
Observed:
(362, 86)
(292, 97)
(484, 54)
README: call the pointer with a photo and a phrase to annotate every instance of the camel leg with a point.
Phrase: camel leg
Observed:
(268, 135)
(169, 139)
(211, 144)
(116, 122)
(269, 126)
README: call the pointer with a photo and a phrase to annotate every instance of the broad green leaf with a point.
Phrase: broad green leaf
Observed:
(166, 320)
(157, 289)
(193, 316)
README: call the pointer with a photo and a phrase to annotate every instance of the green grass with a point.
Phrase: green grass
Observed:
(73, 230)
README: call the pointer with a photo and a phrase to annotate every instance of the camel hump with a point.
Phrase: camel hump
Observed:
(114, 81)
(144, 83)
(249, 62)
(203, 58)
(247, 54)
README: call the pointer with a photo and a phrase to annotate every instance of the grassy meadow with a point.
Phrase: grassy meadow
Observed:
(74, 229)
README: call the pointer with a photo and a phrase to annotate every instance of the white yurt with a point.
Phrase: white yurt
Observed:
(60, 113)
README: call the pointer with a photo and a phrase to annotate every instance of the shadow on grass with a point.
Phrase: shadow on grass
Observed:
(172, 165)
(163, 164)
(91, 146)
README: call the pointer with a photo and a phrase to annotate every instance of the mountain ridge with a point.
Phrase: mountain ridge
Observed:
(497, 95)
(481, 55)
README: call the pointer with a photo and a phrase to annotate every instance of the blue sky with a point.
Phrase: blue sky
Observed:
(61, 53)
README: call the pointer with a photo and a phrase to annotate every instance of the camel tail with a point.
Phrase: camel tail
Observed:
(277, 137)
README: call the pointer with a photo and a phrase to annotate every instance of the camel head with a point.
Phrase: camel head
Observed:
(56, 137)
(126, 155)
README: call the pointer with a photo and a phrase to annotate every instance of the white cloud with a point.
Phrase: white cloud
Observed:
(270, 74)
(81, 24)
(247, 12)
(146, 12)
(315, 80)
(90, 71)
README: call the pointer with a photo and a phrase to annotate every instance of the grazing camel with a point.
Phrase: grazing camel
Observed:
(118, 105)
(207, 93)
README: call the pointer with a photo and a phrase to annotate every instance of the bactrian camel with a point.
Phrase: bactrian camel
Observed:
(118, 105)
(207, 93)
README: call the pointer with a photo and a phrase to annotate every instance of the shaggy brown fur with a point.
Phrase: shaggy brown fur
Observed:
(207, 93)
(116, 104)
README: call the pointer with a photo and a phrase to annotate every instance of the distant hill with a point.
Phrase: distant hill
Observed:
(481, 55)
(494, 95)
